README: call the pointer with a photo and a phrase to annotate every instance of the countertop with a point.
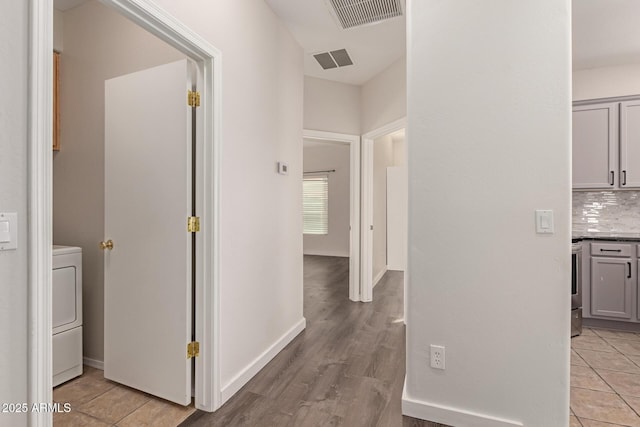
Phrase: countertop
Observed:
(606, 235)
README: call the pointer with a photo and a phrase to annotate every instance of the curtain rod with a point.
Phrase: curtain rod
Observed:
(327, 171)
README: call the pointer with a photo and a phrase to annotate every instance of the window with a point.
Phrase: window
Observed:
(315, 204)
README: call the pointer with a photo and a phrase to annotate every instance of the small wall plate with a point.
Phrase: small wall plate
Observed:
(8, 231)
(283, 168)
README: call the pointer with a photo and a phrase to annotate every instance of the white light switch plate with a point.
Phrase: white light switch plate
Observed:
(544, 221)
(8, 231)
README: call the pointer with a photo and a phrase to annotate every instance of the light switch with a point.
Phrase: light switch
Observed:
(283, 168)
(8, 231)
(5, 232)
(544, 221)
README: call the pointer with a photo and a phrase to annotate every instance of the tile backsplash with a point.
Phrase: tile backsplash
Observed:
(606, 211)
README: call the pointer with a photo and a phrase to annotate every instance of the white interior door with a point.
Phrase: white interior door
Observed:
(148, 198)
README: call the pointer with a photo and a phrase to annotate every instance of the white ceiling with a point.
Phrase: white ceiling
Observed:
(605, 33)
(372, 48)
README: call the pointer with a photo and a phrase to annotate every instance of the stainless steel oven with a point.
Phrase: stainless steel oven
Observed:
(576, 288)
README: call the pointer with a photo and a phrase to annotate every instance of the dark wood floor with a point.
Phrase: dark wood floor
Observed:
(346, 369)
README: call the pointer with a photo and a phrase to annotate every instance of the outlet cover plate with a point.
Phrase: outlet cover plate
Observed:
(437, 356)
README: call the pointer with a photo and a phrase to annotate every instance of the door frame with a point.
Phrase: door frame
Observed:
(366, 262)
(146, 14)
(354, 202)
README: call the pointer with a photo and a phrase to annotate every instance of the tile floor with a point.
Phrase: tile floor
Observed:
(97, 402)
(605, 379)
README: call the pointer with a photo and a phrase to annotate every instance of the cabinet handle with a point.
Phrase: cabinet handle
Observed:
(610, 250)
(611, 176)
(629, 275)
(624, 177)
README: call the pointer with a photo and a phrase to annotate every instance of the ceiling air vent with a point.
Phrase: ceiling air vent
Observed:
(333, 59)
(353, 13)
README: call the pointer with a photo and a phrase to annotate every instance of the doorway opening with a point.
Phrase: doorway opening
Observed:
(332, 178)
(384, 204)
(207, 59)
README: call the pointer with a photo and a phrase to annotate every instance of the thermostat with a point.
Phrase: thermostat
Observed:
(283, 168)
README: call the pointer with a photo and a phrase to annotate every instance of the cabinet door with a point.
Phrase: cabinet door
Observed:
(595, 147)
(630, 144)
(636, 287)
(611, 280)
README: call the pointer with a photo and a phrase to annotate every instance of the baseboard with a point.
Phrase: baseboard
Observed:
(98, 364)
(260, 362)
(379, 276)
(449, 416)
(328, 253)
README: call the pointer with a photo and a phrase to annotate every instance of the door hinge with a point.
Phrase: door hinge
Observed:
(193, 98)
(193, 224)
(193, 349)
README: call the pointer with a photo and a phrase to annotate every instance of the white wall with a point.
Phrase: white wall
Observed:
(382, 158)
(98, 44)
(331, 106)
(261, 264)
(13, 198)
(606, 82)
(397, 212)
(328, 156)
(344, 108)
(399, 150)
(384, 97)
(487, 85)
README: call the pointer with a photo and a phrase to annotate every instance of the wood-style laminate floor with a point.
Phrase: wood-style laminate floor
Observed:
(346, 369)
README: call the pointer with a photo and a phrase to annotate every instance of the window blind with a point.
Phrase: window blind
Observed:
(315, 204)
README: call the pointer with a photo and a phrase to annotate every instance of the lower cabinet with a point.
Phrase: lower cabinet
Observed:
(610, 281)
(611, 287)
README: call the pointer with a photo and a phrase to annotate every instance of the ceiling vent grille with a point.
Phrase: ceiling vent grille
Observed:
(353, 13)
(333, 59)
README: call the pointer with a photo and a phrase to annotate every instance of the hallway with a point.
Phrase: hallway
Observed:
(347, 368)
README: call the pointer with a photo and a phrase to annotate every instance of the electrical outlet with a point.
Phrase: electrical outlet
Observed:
(437, 356)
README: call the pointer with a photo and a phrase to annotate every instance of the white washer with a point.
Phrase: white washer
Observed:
(67, 313)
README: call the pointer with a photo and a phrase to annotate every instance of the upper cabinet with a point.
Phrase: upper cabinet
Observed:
(606, 145)
(630, 144)
(595, 146)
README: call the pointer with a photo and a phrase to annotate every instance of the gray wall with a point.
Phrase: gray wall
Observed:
(326, 156)
(13, 198)
(98, 44)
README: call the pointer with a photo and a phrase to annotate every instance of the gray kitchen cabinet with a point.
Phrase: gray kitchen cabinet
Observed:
(630, 144)
(611, 287)
(638, 285)
(595, 146)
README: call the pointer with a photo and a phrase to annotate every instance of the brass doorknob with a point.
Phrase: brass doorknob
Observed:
(106, 245)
